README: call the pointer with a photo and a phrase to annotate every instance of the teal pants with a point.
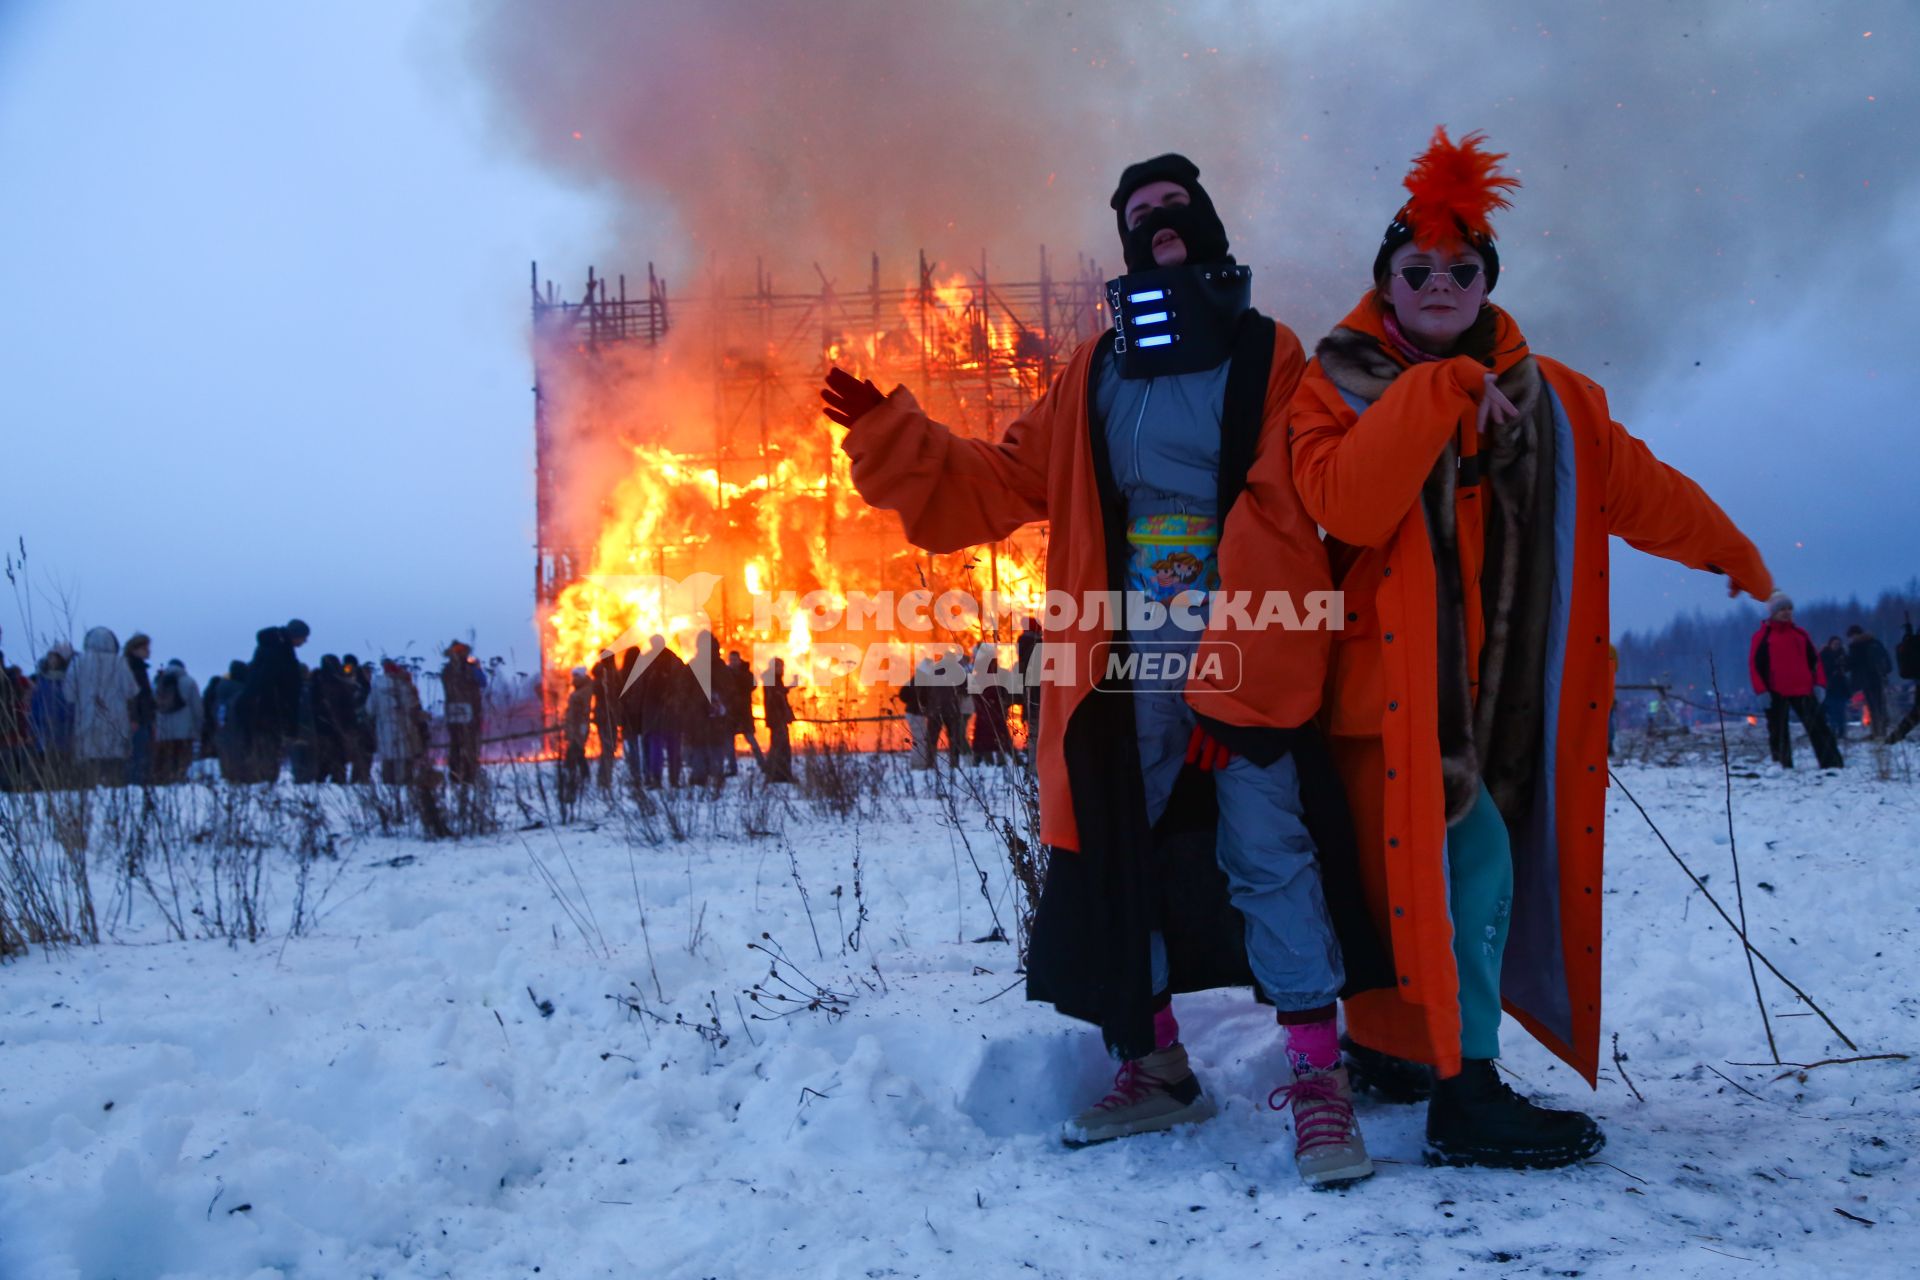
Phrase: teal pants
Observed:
(1480, 897)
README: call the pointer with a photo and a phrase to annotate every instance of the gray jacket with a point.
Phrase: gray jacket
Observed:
(184, 724)
(394, 704)
(1163, 438)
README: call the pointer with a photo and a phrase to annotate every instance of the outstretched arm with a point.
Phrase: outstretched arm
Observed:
(951, 491)
(1663, 513)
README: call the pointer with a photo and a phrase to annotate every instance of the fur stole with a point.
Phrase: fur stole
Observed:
(1496, 736)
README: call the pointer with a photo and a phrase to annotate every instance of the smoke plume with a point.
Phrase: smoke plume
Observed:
(1689, 169)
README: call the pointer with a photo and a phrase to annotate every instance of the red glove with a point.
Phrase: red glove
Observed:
(1205, 752)
(848, 398)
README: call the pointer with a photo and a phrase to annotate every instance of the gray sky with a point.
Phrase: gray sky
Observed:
(267, 352)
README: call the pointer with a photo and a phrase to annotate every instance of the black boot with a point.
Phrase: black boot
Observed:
(1386, 1077)
(1474, 1118)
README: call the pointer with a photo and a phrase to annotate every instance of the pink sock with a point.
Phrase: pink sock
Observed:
(1166, 1028)
(1314, 1046)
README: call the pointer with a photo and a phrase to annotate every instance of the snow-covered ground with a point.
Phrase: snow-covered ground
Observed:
(388, 1096)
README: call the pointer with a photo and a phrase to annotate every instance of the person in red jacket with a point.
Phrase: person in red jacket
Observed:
(1785, 666)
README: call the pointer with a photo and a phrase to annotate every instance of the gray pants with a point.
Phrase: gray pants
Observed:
(923, 741)
(1265, 851)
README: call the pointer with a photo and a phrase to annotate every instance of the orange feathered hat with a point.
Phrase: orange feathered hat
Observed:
(1452, 188)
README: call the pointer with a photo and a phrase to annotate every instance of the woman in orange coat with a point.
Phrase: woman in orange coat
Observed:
(1468, 488)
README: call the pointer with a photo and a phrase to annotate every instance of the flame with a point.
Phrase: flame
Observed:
(785, 517)
(961, 325)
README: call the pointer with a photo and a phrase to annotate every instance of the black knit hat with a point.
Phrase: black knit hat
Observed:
(1171, 167)
(1197, 222)
(1399, 233)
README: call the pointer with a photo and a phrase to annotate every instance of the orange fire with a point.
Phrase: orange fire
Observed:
(688, 540)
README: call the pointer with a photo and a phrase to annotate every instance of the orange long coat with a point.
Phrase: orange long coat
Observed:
(1359, 470)
(953, 492)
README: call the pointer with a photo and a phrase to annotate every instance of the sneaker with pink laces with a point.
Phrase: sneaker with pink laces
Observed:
(1156, 1092)
(1327, 1145)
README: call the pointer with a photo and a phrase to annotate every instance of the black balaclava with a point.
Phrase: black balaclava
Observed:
(1196, 222)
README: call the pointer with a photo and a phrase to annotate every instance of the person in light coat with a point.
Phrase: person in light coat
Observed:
(395, 704)
(179, 717)
(101, 688)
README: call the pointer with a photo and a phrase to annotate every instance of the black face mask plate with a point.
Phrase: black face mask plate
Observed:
(1174, 320)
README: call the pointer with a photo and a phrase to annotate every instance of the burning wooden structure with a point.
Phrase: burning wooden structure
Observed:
(683, 437)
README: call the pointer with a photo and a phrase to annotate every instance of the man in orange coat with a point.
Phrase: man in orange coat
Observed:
(1159, 457)
(1468, 488)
